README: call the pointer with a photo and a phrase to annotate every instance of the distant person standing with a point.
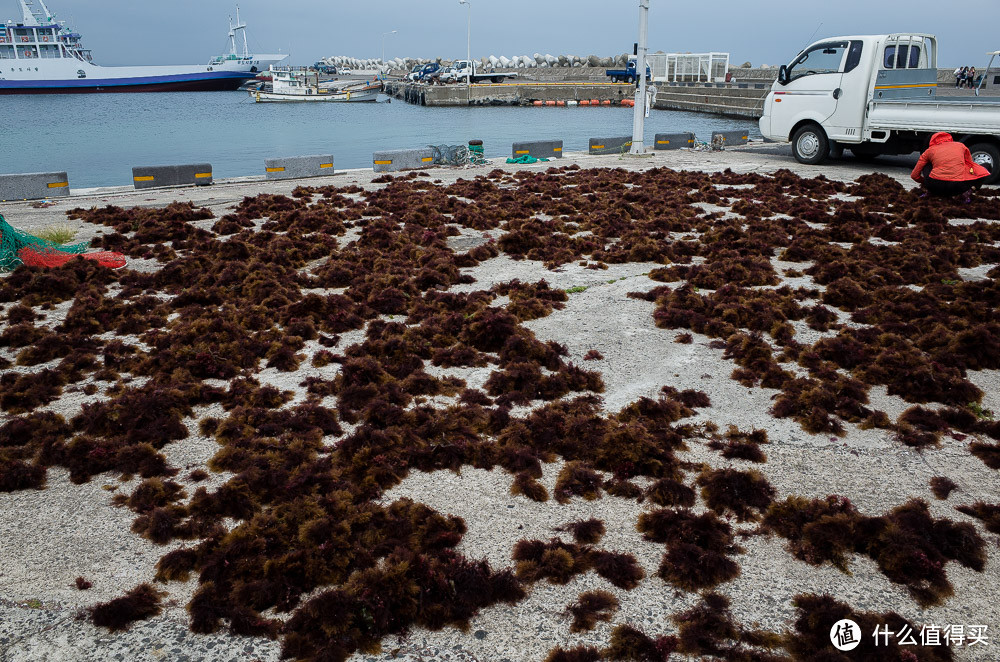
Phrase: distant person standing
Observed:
(946, 168)
(971, 78)
(958, 76)
(961, 76)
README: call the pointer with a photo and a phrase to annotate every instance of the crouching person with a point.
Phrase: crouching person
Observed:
(947, 169)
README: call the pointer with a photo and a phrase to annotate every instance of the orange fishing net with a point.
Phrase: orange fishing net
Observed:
(36, 257)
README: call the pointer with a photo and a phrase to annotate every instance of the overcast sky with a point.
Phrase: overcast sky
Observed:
(766, 31)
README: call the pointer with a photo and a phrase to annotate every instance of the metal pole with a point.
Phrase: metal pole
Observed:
(639, 111)
(384, 34)
(468, 50)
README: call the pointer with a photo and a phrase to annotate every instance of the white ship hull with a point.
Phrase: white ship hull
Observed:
(40, 55)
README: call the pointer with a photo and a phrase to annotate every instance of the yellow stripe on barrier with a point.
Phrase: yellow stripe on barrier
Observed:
(202, 175)
(58, 184)
(278, 169)
(427, 159)
(662, 142)
(144, 178)
(903, 87)
(383, 163)
(522, 151)
(325, 165)
(597, 147)
(557, 149)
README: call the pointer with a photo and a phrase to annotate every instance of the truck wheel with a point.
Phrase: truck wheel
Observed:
(810, 145)
(497, 79)
(988, 156)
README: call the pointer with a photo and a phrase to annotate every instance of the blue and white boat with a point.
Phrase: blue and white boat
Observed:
(40, 55)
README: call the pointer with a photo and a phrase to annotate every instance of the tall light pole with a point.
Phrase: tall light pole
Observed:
(639, 114)
(384, 35)
(468, 56)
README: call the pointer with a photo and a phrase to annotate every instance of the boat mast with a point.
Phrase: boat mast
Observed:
(35, 14)
(243, 27)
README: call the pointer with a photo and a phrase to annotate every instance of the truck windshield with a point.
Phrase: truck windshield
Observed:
(820, 59)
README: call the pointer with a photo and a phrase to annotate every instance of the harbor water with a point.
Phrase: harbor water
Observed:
(98, 138)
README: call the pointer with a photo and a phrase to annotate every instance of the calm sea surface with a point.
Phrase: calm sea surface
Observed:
(97, 138)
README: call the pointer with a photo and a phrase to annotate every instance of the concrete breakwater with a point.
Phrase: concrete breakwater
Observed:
(744, 100)
(511, 94)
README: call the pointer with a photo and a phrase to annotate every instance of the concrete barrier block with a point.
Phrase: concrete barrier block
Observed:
(673, 140)
(610, 145)
(731, 137)
(295, 167)
(540, 149)
(34, 186)
(197, 174)
(402, 159)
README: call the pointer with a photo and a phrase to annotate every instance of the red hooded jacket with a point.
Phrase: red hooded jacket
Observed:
(951, 161)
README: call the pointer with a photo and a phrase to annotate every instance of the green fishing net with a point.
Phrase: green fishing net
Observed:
(526, 159)
(13, 240)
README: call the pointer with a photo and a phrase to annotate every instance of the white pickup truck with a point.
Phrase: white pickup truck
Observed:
(464, 70)
(874, 94)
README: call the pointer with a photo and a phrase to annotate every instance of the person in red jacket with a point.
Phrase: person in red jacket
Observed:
(946, 168)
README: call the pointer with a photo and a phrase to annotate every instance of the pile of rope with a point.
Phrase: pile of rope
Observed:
(453, 155)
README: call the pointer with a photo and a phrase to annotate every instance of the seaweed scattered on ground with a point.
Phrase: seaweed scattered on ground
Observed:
(228, 302)
(591, 607)
(736, 493)
(699, 547)
(585, 532)
(989, 514)
(910, 546)
(818, 614)
(942, 487)
(138, 604)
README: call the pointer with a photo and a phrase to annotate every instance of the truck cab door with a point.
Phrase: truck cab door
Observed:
(845, 124)
(809, 88)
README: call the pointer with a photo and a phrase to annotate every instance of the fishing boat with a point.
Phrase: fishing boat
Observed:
(40, 55)
(297, 85)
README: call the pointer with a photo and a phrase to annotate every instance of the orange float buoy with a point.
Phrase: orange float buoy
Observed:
(584, 102)
(550, 103)
(537, 103)
(595, 102)
(606, 103)
(560, 103)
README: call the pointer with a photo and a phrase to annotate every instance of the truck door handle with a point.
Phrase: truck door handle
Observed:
(836, 93)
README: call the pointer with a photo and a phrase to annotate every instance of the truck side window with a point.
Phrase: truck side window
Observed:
(820, 59)
(853, 56)
(911, 53)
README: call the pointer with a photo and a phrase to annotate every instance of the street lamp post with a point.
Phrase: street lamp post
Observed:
(639, 115)
(468, 56)
(384, 35)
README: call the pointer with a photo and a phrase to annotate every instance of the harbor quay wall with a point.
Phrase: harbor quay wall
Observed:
(508, 94)
(743, 100)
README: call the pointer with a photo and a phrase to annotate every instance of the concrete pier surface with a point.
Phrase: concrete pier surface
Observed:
(754, 157)
(49, 536)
